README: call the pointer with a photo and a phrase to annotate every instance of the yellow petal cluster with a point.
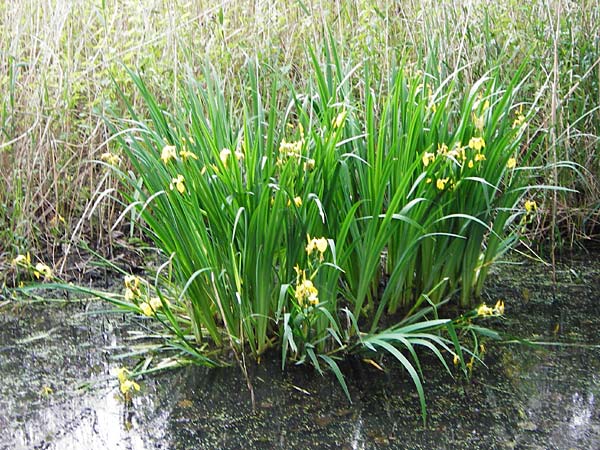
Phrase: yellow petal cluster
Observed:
(225, 154)
(314, 244)
(185, 155)
(441, 183)
(132, 287)
(305, 293)
(111, 158)
(477, 143)
(309, 164)
(499, 307)
(485, 310)
(340, 119)
(178, 183)
(22, 260)
(132, 282)
(168, 153)
(530, 206)
(520, 118)
(428, 158)
(149, 308)
(297, 202)
(457, 152)
(129, 385)
(42, 269)
(511, 163)
(497, 310)
(122, 374)
(126, 385)
(442, 149)
(291, 149)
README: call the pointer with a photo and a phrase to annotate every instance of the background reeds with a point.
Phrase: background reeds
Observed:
(59, 58)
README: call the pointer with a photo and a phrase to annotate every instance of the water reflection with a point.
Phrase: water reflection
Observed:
(582, 415)
(526, 398)
(358, 442)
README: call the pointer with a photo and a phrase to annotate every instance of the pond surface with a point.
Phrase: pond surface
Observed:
(56, 391)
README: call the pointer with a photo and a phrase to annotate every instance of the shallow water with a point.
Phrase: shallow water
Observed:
(56, 391)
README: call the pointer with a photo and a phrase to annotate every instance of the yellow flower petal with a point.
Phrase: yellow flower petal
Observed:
(224, 155)
(42, 269)
(484, 310)
(428, 158)
(185, 155)
(129, 385)
(22, 260)
(129, 294)
(132, 282)
(499, 307)
(178, 183)
(340, 119)
(121, 373)
(155, 303)
(476, 143)
(146, 309)
(309, 164)
(111, 158)
(168, 153)
(530, 205)
(321, 245)
(441, 183)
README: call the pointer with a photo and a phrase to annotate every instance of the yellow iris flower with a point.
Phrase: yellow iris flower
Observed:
(530, 206)
(168, 153)
(441, 183)
(42, 269)
(477, 143)
(428, 158)
(340, 119)
(111, 158)
(178, 183)
(22, 260)
(185, 155)
(320, 245)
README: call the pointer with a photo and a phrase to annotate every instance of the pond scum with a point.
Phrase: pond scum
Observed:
(337, 221)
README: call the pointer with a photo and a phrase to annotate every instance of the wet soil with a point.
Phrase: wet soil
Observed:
(56, 391)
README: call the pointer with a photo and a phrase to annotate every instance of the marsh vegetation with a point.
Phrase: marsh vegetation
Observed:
(312, 181)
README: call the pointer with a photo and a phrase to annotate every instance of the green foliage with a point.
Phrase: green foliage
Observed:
(382, 162)
(298, 227)
(59, 60)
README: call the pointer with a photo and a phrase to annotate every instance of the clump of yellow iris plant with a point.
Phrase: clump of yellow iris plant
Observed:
(39, 270)
(307, 227)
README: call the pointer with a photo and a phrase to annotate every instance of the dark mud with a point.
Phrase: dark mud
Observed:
(56, 391)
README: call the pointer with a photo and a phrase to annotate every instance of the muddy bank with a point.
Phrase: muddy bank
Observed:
(56, 391)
